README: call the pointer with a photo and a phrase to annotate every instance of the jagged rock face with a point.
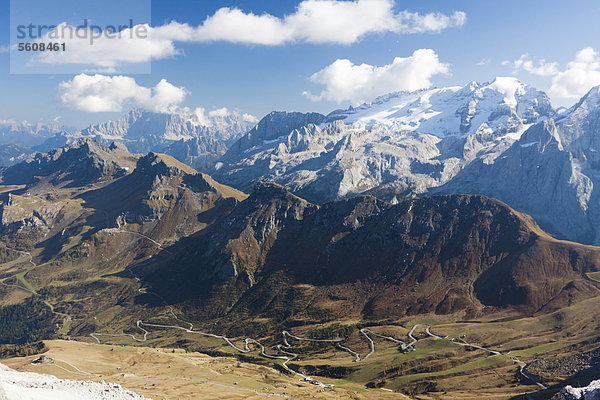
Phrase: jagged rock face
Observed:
(441, 254)
(195, 142)
(538, 176)
(401, 143)
(165, 181)
(590, 392)
(496, 139)
(336, 161)
(503, 105)
(171, 126)
(273, 126)
(580, 126)
(552, 173)
(84, 162)
(166, 196)
(28, 213)
(28, 134)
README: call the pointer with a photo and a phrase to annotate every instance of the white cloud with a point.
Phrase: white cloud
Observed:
(220, 112)
(201, 117)
(579, 77)
(483, 62)
(313, 21)
(4, 49)
(408, 22)
(103, 51)
(316, 21)
(344, 80)
(542, 68)
(100, 93)
(249, 118)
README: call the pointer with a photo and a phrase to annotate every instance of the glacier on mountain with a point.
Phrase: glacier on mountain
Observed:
(502, 139)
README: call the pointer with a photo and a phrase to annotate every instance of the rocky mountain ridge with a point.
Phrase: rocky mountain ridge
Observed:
(194, 138)
(81, 163)
(503, 105)
(441, 140)
(464, 253)
(159, 250)
(450, 140)
(87, 186)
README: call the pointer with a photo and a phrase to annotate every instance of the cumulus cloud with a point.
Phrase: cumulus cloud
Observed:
(104, 51)
(4, 49)
(313, 21)
(219, 112)
(316, 21)
(542, 68)
(201, 117)
(579, 77)
(101, 93)
(483, 62)
(344, 80)
(572, 82)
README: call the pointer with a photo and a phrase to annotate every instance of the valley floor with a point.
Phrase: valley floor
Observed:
(174, 374)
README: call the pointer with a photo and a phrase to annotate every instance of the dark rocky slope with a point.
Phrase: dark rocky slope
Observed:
(279, 257)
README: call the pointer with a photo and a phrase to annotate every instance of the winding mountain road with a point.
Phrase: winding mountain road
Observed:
(527, 375)
(463, 343)
(118, 230)
(32, 291)
(286, 347)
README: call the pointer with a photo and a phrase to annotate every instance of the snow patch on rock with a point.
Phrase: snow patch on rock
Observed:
(590, 392)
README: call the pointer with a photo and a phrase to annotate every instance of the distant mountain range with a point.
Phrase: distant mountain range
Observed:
(195, 138)
(120, 248)
(502, 139)
(219, 250)
(18, 141)
(407, 141)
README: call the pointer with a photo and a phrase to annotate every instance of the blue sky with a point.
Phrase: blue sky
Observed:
(258, 78)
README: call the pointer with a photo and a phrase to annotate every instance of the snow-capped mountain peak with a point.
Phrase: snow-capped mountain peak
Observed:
(220, 124)
(195, 136)
(505, 105)
(579, 127)
(510, 87)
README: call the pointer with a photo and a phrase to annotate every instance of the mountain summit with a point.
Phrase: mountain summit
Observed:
(194, 138)
(501, 139)
(409, 141)
(504, 105)
(83, 162)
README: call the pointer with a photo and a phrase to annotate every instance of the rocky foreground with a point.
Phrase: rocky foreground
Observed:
(16, 385)
(590, 392)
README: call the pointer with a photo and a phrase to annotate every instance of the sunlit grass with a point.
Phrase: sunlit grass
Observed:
(21, 279)
(481, 363)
